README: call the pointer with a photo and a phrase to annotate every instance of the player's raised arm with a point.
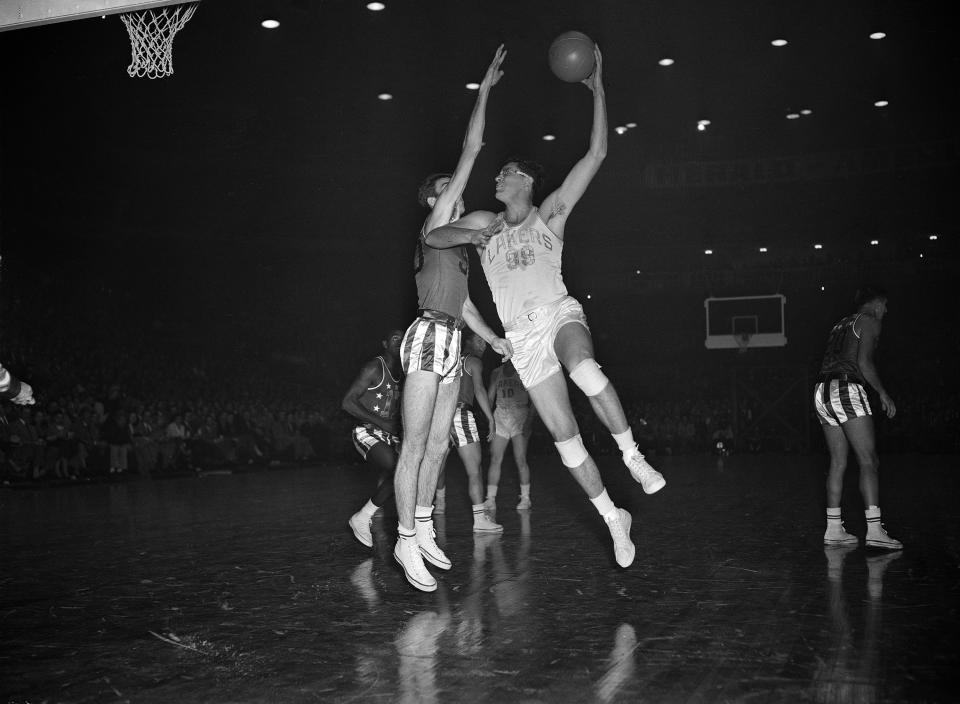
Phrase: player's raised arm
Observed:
(869, 335)
(447, 201)
(556, 207)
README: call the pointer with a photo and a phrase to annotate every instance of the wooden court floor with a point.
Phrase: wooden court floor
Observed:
(250, 588)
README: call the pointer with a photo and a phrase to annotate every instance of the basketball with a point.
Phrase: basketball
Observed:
(571, 57)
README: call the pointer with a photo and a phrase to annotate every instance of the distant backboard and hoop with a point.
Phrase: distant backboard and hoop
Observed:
(151, 25)
(743, 322)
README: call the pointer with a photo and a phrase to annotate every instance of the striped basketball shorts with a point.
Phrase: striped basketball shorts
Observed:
(532, 336)
(838, 400)
(510, 421)
(366, 436)
(464, 429)
(432, 344)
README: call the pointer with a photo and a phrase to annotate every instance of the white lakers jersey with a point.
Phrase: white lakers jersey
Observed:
(522, 265)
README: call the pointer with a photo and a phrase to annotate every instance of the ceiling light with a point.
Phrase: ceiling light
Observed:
(882, 103)
(818, 246)
(763, 249)
(806, 111)
(793, 116)
(619, 129)
(549, 137)
(269, 24)
(779, 42)
(878, 35)
(473, 86)
(376, 6)
(702, 125)
(385, 96)
(933, 237)
(631, 125)
(874, 242)
(665, 61)
(708, 251)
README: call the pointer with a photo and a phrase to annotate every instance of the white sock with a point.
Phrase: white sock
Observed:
(625, 441)
(423, 511)
(404, 532)
(524, 491)
(603, 503)
(369, 509)
(478, 510)
(833, 516)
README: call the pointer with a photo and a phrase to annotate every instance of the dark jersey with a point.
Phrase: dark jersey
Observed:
(383, 399)
(466, 395)
(441, 276)
(843, 349)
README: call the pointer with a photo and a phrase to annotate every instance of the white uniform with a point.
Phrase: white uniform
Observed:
(522, 265)
(512, 404)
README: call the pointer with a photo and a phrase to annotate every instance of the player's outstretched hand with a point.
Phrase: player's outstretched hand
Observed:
(888, 405)
(25, 397)
(493, 71)
(502, 346)
(595, 80)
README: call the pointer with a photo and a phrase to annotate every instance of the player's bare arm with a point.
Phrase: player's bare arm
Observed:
(492, 388)
(472, 228)
(869, 335)
(556, 207)
(472, 316)
(368, 377)
(476, 370)
(447, 200)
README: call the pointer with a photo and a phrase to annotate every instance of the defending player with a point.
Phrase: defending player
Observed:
(465, 436)
(547, 327)
(846, 417)
(430, 352)
(514, 417)
(374, 400)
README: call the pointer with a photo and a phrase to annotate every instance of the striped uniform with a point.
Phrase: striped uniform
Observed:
(432, 344)
(839, 400)
(463, 430)
(381, 399)
(840, 394)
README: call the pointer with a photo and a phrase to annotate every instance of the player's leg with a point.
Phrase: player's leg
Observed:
(440, 495)
(552, 402)
(498, 448)
(419, 399)
(574, 349)
(435, 453)
(384, 458)
(860, 434)
(420, 395)
(838, 448)
(520, 443)
(471, 455)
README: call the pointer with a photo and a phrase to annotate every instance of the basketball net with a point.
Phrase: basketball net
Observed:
(151, 38)
(743, 341)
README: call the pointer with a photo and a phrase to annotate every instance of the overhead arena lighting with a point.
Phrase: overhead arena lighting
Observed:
(376, 6)
(385, 96)
(269, 24)
(779, 42)
(666, 61)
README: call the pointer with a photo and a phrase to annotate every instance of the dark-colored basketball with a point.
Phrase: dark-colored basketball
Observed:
(571, 57)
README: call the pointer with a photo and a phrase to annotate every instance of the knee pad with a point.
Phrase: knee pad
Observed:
(589, 378)
(572, 451)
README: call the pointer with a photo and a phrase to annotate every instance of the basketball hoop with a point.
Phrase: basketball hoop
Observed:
(151, 38)
(743, 342)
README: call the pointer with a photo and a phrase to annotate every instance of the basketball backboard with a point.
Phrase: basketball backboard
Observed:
(18, 14)
(738, 321)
